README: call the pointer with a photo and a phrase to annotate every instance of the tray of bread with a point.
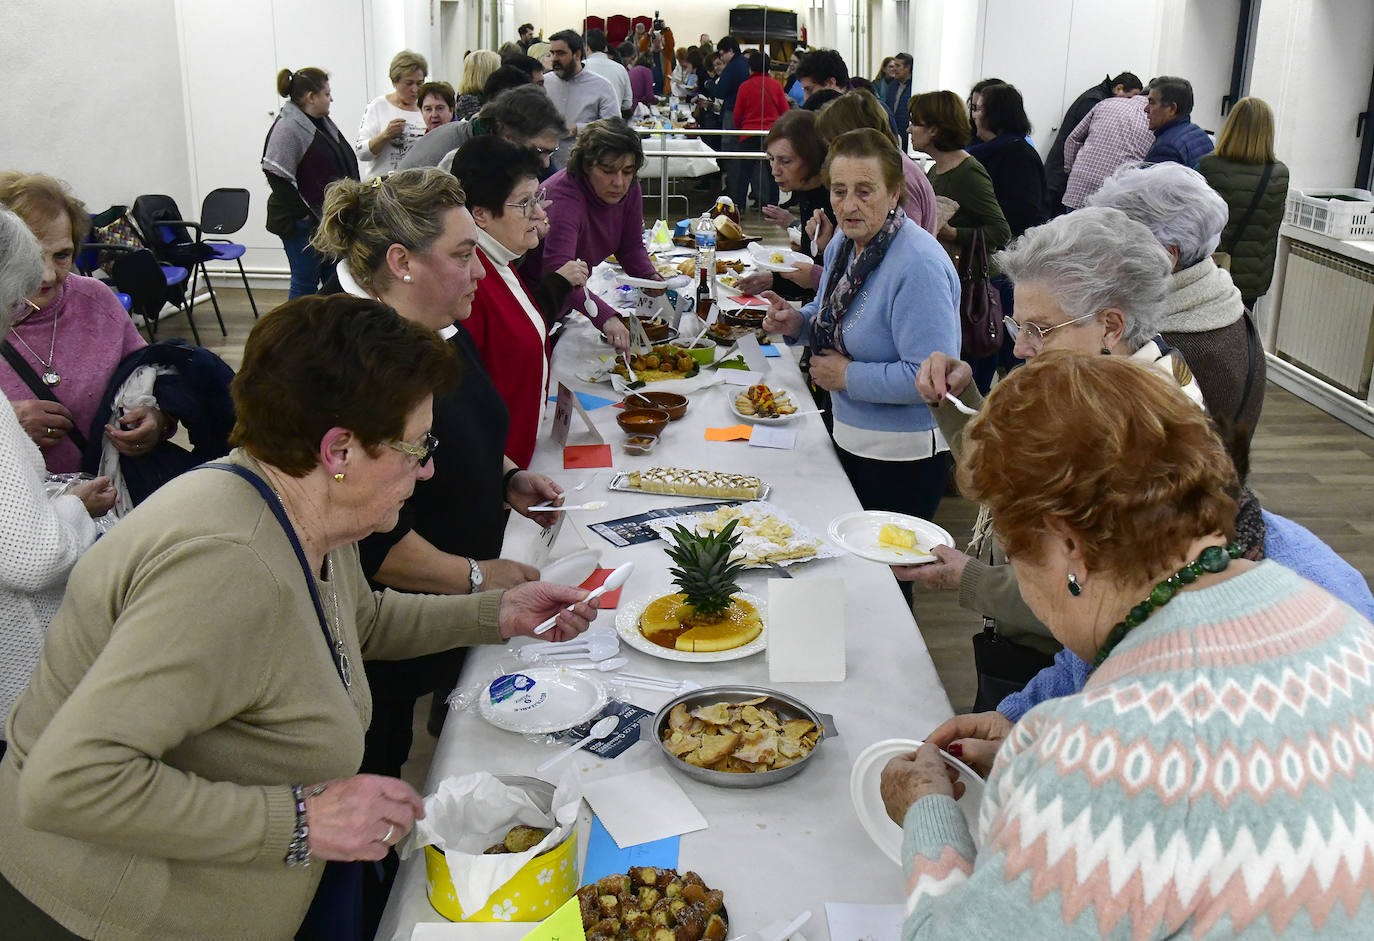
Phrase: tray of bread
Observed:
(767, 535)
(637, 905)
(687, 482)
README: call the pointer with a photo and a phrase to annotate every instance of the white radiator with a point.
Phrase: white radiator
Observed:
(1326, 320)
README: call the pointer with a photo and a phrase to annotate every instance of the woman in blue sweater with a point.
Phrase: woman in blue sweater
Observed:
(889, 298)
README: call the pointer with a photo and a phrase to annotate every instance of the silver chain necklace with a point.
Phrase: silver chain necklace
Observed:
(50, 376)
(335, 633)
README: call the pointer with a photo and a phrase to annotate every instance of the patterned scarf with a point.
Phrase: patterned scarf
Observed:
(844, 285)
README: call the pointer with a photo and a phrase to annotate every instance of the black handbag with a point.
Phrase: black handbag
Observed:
(980, 303)
(1004, 666)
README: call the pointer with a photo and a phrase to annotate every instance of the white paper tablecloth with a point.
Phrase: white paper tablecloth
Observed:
(698, 158)
(776, 850)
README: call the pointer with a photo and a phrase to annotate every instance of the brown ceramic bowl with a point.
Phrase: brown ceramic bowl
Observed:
(643, 421)
(743, 318)
(672, 403)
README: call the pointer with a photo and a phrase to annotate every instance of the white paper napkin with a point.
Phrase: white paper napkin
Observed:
(642, 807)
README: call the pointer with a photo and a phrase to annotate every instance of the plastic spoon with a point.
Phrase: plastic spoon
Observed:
(605, 666)
(598, 647)
(613, 581)
(959, 406)
(782, 934)
(550, 508)
(603, 728)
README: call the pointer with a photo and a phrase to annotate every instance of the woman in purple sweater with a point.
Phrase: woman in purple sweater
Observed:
(595, 210)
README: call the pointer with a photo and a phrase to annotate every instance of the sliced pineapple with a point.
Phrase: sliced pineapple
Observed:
(893, 535)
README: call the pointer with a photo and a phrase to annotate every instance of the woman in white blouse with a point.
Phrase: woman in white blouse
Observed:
(392, 122)
(40, 537)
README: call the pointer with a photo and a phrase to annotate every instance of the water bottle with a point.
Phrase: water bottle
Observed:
(705, 236)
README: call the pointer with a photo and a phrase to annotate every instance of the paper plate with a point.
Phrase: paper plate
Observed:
(676, 282)
(731, 394)
(627, 626)
(573, 569)
(858, 533)
(864, 789)
(542, 699)
(789, 263)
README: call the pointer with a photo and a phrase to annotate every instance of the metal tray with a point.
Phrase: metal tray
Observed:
(787, 707)
(621, 483)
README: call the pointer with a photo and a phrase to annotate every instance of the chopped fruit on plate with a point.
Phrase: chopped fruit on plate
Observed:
(892, 535)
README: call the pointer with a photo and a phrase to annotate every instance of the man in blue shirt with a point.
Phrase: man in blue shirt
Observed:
(1170, 112)
(895, 92)
(727, 88)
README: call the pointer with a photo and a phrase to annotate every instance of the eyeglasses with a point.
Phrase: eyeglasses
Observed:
(1035, 334)
(544, 151)
(420, 453)
(527, 204)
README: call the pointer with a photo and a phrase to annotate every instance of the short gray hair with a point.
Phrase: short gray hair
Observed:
(21, 264)
(1094, 259)
(1174, 202)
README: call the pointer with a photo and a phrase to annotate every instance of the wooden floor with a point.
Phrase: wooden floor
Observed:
(1306, 465)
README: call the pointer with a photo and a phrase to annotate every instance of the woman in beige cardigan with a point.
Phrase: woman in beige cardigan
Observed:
(189, 740)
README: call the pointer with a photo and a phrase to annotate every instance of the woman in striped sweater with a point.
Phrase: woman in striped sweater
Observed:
(1215, 776)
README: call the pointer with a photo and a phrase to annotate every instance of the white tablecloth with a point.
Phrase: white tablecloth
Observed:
(698, 158)
(777, 850)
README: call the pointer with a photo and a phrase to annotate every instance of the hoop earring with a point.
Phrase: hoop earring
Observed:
(1075, 589)
(339, 477)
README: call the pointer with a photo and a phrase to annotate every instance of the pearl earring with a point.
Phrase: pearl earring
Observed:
(407, 278)
(1075, 589)
(339, 477)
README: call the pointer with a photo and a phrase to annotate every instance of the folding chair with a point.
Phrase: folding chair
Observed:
(138, 274)
(165, 232)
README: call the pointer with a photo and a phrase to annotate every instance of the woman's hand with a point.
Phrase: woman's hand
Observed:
(525, 607)
(394, 128)
(146, 427)
(574, 272)
(821, 230)
(940, 376)
(499, 574)
(617, 334)
(779, 217)
(360, 817)
(973, 738)
(46, 423)
(782, 317)
(944, 573)
(907, 778)
(828, 368)
(754, 283)
(96, 495)
(805, 275)
(528, 489)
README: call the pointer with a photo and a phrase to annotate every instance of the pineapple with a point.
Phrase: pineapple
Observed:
(703, 616)
(891, 535)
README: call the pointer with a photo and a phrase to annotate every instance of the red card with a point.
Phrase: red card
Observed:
(611, 598)
(586, 455)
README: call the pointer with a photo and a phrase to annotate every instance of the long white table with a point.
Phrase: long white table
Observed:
(776, 850)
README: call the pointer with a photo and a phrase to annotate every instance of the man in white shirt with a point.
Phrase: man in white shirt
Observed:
(579, 95)
(609, 69)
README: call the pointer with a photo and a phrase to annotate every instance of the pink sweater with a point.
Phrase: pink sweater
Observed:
(919, 201)
(94, 333)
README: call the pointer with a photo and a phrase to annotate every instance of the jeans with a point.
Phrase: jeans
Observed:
(755, 173)
(308, 268)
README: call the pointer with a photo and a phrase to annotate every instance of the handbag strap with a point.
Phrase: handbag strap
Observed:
(279, 511)
(38, 387)
(1250, 212)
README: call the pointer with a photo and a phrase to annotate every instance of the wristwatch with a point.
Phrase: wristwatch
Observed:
(475, 576)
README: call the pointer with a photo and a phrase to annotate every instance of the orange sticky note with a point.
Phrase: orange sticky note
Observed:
(611, 598)
(733, 433)
(586, 455)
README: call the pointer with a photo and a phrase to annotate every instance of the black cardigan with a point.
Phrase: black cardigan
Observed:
(1018, 179)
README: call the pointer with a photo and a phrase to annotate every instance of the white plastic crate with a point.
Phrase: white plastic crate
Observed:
(1339, 218)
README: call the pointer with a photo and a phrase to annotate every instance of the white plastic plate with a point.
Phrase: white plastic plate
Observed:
(864, 789)
(857, 533)
(627, 626)
(573, 569)
(537, 699)
(732, 392)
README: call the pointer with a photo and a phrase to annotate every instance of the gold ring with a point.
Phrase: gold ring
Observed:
(390, 829)
(47, 432)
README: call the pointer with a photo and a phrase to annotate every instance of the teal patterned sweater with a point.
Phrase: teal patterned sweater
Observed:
(1213, 779)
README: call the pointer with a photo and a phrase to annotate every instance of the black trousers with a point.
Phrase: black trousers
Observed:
(20, 918)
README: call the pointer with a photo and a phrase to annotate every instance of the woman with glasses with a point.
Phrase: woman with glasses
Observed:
(596, 210)
(509, 325)
(191, 736)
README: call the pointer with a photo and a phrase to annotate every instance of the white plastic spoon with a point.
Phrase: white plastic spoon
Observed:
(549, 508)
(603, 728)
(613, 581)
(615, 663)
(959, 406)
(597, 647)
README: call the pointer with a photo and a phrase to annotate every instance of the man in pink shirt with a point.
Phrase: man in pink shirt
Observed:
(1114, 133)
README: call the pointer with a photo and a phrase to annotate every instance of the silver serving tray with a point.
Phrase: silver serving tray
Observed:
(787, 707)
(621, 483)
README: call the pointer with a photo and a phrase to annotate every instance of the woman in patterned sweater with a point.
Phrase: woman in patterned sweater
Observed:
(1215, 776)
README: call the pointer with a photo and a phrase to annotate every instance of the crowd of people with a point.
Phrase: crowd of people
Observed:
(1071, 338)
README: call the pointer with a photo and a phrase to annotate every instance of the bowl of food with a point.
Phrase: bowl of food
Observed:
(737, 736)
(702, 350)
(642, 421)
(656, 330)
(671, 402)
(743, 317)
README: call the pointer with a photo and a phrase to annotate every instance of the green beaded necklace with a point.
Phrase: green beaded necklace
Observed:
(1214, 559)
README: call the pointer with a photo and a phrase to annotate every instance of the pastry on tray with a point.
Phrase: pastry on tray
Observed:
(697, 483)
(652, 904)
(741, 737)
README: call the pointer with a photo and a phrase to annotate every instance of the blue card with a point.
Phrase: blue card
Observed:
(770, 350)
(605, 858)
(588, 400)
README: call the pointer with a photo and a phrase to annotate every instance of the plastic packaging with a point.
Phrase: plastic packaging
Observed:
(59, 484)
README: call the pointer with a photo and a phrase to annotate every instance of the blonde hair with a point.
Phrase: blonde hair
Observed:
(37, 197)
(407, 61)
(477, 68)
(851, 111)
(1248, 134)
(361, 221)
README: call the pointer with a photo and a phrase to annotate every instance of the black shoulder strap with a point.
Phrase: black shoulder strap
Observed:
(1250, 212)
(38, 386)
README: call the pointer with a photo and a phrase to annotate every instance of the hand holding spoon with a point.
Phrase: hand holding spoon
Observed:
(613, 581)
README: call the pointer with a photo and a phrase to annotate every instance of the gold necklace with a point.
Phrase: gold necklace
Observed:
(50, 376)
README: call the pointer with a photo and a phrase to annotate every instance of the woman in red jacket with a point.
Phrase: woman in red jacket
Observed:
(759, 102)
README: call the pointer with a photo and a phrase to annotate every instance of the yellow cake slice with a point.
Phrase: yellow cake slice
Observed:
(667, 622)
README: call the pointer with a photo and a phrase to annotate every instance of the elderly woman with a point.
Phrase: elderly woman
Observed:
(41, 537)
(437, 101)
(1206, 317)
(524, 116)
(595, 210)
(1091, 282)
(305, 152)
(190, 738)
(1143, 807)
(509, 324)
(392, 122)
(63, 346)
(1254, 184)
(477, 68)
(890, 300)
(858, 109)
(412, 244)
